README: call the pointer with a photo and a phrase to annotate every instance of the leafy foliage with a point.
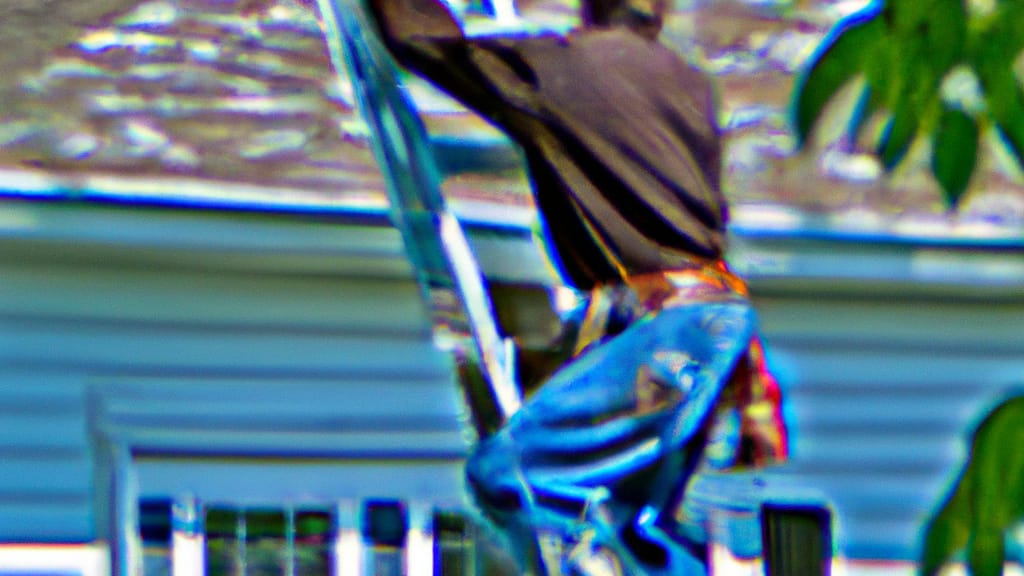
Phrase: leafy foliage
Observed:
(955, 151)
(905, 50)
(986, 500)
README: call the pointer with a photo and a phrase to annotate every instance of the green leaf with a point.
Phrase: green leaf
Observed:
(1008, 31)
(904, 17)
(1011, 128)
(867, 104)
(841, 59)
(937, 29)
(947, 33)
(899, 134)
(955, 153)
(994, 65)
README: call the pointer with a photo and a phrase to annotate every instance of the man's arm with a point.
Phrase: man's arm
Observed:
(488, 75)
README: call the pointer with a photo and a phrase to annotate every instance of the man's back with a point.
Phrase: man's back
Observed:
(618, 131)
(638, 123)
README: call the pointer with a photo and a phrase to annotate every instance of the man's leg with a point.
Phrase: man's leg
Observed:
(612, 427)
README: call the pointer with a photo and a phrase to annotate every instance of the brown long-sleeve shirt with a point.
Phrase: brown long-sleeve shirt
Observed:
(618, 132)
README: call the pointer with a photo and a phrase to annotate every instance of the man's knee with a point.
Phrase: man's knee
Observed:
(494, 479)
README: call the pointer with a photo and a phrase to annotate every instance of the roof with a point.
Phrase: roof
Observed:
(235, 104)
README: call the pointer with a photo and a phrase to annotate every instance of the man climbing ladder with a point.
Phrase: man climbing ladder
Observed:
(623, 156)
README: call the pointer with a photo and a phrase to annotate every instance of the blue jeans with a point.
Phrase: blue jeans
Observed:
(608, 444)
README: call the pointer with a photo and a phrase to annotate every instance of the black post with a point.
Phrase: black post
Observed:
(796, 539)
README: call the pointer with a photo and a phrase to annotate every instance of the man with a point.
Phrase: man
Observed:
(666, 375)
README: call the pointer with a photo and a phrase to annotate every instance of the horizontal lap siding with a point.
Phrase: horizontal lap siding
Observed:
(881, 393)
(189, 342)
(242, 482)
(156, 347)
(414, 416)
(168, 298)
(45, 458)
(195, 358)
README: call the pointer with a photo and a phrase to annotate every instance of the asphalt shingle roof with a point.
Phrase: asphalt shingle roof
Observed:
(208, 97)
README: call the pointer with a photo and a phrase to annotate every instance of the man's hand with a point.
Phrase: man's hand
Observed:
(401, 22)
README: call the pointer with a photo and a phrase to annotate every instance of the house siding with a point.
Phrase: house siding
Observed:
(176, 349)
(882, 388)
(215, 344)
